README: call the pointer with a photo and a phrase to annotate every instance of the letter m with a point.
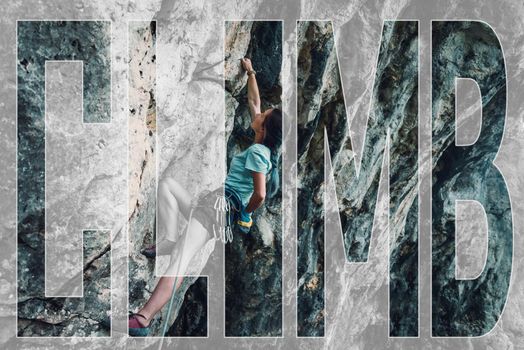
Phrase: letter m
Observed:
(392, 127)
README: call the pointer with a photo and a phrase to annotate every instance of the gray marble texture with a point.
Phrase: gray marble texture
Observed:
(191, 108)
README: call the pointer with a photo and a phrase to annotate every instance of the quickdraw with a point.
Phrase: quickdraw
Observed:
(223, 209)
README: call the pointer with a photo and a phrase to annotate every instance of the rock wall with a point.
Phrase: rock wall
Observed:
(39, 315)
(192, 317)
(191, 51)
(253, 264)
(322, 111)
(468, 50)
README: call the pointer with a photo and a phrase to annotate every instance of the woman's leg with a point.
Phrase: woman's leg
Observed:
(183, 198)
(186, 247)
(172, 198)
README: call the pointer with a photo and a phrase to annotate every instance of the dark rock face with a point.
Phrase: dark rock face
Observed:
(321, 108)
(67, 317)
(38, 42)
(468, 307)
(254, 261)
(265, 51)
(192, 316)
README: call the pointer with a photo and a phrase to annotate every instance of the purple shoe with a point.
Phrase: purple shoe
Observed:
(149, 252)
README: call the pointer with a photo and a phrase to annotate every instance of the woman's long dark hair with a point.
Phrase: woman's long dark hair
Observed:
(273, 140)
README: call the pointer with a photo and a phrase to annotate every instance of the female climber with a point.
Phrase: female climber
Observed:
(244, 191)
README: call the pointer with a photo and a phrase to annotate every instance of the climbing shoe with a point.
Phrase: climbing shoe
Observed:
(136, 329)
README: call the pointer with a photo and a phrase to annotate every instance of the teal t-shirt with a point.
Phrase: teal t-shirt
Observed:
(239, 179)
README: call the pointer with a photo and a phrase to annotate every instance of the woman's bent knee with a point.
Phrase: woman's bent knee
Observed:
(163, 186)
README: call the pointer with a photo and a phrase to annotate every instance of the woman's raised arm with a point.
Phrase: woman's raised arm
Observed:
(253, 96)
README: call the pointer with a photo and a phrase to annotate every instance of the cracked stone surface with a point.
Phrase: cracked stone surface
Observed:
(190, 87)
